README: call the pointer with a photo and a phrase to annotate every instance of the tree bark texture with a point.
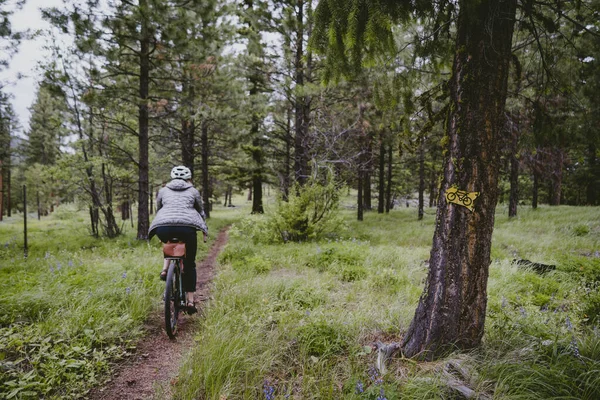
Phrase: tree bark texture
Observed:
(381, 190)
(143, 223)
(301, 170)
(451, 310)
(513, 201)
(593, 185)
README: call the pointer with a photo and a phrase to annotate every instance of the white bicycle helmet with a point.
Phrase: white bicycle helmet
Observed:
(181, 172)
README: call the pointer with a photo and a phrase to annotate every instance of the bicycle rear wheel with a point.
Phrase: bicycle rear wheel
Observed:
(172, 297)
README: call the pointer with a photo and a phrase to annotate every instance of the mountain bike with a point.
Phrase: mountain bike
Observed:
(174, 251)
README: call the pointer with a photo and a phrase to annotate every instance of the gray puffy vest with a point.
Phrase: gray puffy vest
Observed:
(179, 204)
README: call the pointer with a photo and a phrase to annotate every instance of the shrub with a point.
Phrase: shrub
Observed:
(321, 339)
(309, 213)
(581, 230)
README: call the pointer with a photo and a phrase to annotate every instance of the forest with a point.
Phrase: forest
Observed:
(411, 189)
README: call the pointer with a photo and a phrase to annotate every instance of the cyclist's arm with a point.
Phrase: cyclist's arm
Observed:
(159, 203)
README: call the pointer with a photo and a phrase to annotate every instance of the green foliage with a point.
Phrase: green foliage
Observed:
(309, 213)
(75, 306)
(305, 329)
(588, 267)
(320, 338)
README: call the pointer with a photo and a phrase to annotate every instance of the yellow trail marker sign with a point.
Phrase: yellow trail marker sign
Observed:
(461, 197)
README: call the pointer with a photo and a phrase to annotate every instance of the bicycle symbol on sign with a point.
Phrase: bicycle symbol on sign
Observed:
(461, 197)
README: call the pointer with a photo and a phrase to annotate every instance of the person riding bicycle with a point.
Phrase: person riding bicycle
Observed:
(179, 215)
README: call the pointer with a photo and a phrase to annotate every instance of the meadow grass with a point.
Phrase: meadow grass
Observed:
(299, 320)
(76, 304)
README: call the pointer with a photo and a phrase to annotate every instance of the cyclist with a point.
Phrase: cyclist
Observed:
(179, 215)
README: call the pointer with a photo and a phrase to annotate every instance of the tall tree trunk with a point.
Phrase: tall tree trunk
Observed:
(206, 192)
(143, 222)
(536, 183)
(451, 310)
(514, 173)
(432, 186)
(388, 194)
(381, 190)
(300, 152)
(593, 184)
(125, 210)
(187, 140)
(111, 227)
(556, 178)
(421, 178)
(359, 197)
(288, 157)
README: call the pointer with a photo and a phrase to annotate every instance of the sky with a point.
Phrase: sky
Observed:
(25, 61)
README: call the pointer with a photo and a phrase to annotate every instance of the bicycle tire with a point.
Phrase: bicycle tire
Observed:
(172, 297)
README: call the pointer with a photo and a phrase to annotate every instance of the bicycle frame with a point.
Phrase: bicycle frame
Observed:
(174, 293)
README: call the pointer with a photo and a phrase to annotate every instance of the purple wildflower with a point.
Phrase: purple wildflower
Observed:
(359, 387)
(268, 390)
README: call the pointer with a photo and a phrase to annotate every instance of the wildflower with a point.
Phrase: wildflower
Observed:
(381, 395)
(569, 324)
(268, 390)
(575, 348)
(523, 312)
(70, 263)
(124, 275)
(374, 375)
(504, 302)
(307, 313)
(359, 387)
(52, 269)
(58, 266)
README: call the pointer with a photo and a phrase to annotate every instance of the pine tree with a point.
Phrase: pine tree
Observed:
(47, 127)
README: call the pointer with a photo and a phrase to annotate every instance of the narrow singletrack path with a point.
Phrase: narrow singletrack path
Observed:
(149, 373)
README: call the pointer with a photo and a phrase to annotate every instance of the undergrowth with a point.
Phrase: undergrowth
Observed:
(76, 304)
(302, 320)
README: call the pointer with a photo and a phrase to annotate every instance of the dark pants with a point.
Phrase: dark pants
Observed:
(188, 236)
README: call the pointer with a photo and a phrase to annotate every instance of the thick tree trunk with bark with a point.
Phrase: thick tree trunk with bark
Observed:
(451, 310)
(143, 142)
(592, 198)
(381, 190)
(514, 174)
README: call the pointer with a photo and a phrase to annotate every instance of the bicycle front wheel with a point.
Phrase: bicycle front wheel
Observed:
(172, 296)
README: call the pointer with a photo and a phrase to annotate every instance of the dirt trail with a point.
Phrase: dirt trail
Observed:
(155, 364)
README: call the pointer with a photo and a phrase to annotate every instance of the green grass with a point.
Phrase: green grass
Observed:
(76, 304)
(299, 320)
